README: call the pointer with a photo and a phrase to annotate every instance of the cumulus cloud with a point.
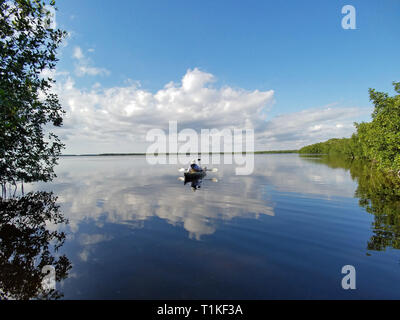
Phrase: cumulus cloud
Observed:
(117, 119)
(123, 115)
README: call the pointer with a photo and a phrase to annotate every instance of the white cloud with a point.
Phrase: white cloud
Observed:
(82, 70)
(297, 129)
(78, 54)
(120, 117)
(117, 119)
(83, 67)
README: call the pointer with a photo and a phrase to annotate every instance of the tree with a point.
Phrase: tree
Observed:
(383, 132)
(377, 141)
(28, 45)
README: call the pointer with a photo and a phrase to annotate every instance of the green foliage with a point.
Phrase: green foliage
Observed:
(377, 141)
(332, 147)
(379, 193)
(382, 134)
(27, 107)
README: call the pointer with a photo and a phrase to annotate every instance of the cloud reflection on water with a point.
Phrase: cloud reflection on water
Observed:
(129, 191)
(126, 190)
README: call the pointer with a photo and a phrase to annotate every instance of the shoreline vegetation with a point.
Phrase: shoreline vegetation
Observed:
(377, 142)
(29, 109)
(178, 154)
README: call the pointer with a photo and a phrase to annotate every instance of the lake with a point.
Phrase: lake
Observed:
(136, 231)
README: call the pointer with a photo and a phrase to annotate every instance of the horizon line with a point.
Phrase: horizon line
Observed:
(168, 153)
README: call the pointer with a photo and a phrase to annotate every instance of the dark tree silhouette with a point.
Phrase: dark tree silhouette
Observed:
(27, 245)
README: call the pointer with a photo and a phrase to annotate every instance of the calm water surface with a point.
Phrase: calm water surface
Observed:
(137, 232)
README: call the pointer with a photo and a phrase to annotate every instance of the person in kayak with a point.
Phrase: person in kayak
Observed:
(194, 167)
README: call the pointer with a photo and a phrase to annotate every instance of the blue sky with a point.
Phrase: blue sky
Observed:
(298, 49)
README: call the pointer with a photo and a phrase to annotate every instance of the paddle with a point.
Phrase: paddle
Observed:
(213, 179)
(205, 169)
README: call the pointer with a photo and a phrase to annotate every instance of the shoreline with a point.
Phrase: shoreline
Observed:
(169, 154)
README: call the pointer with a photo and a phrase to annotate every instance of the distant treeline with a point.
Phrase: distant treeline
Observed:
(277, 151)
(377, 141)
(168, 154)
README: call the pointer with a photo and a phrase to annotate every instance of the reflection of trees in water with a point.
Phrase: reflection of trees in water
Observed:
(27, 244)
(379, 194)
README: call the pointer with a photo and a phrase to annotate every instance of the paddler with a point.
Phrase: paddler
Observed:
(194, 167)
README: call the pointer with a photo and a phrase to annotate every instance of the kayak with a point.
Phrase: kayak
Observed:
(192, 175)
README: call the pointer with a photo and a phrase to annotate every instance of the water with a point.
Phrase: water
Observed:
(137, 232)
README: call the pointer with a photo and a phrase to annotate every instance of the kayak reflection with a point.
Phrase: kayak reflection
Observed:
(196, 181)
